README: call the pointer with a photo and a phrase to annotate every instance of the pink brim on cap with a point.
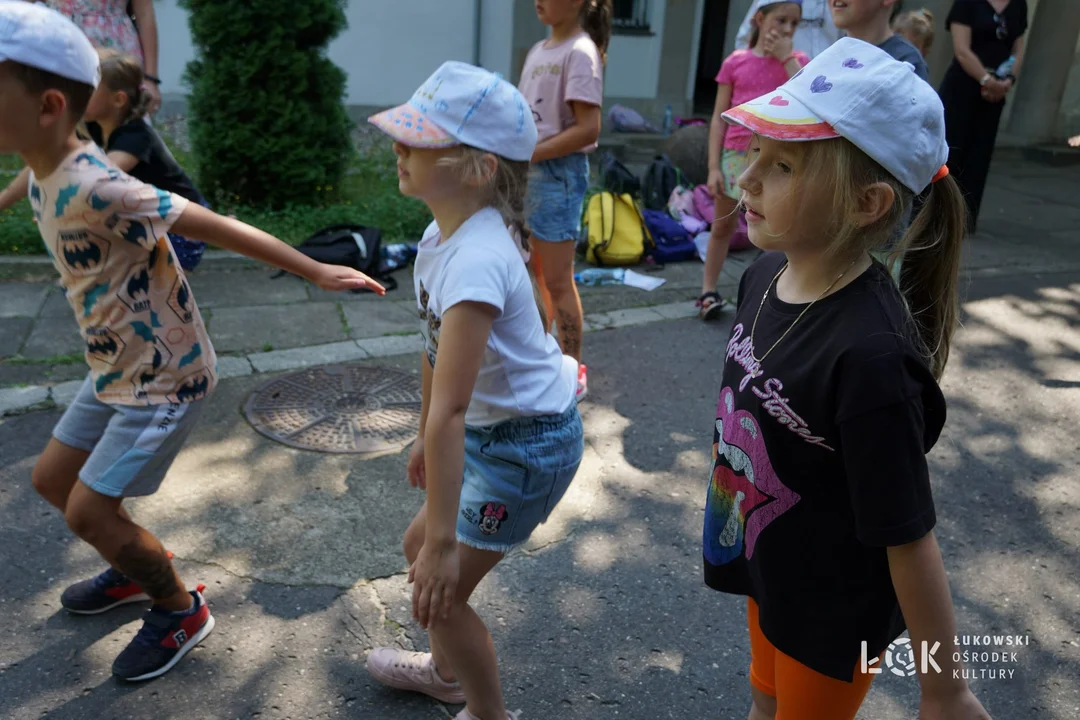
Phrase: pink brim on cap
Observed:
(779, 116)
(411, 127)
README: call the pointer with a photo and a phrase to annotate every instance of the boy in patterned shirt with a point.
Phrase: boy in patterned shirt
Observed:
(151, 362)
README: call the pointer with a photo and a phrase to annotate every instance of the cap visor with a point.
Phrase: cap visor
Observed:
(779, 116)
(410, 127)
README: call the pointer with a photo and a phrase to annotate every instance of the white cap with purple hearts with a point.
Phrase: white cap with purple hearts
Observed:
(859, 92)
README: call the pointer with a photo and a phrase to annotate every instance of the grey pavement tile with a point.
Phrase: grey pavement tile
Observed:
(309, 356)
(18, 399)
(368, 320)
(13, 333)
(52, 337)
(252, 329)
(64, 393)
(22, 299)
(391, 345)
(245, 288)
(230, 367)
(56, 304)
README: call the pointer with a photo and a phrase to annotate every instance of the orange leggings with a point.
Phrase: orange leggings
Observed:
(801, 693)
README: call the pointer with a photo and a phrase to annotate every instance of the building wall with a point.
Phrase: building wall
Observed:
(633, 69)
(389, 48)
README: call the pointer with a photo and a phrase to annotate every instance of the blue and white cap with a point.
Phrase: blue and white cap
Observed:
(462, 104)
(39, 37)
(858, 91)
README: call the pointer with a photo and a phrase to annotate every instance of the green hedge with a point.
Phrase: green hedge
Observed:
(268, 122)
(369, 196)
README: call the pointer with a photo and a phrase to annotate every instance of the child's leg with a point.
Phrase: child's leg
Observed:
(465, 643)
(723, 228)
(556, 280)
(101, 522)
(473, 570)
(545, 296)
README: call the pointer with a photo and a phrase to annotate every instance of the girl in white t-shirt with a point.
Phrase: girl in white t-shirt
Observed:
(499, 422)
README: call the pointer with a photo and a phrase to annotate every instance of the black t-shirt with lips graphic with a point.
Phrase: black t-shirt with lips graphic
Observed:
(820, 465)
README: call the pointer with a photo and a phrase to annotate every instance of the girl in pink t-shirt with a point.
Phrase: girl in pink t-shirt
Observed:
(563, 81)
(745, 75)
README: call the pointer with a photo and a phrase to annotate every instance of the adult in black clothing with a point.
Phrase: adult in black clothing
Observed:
(986, 33)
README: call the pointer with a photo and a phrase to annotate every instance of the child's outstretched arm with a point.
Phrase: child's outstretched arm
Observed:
(16, 190)
(462, 342)
(198, 223)
(583, 133)
(918, 575)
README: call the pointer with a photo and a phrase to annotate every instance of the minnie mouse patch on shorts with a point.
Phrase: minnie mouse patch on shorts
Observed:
(490, 519)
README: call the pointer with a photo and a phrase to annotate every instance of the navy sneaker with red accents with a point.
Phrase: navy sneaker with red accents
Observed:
(164, 639)
(104, 592)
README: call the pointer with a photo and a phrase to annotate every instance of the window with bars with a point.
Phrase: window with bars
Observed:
(631, 16)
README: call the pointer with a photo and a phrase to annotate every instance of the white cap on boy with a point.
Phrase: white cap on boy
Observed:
(462, 104)
(859, 92)
(39, 37)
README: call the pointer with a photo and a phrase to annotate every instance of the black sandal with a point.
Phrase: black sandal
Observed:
(709, 305)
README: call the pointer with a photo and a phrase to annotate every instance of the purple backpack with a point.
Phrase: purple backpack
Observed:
(673, 242)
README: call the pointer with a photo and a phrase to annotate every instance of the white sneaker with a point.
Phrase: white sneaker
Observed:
(414, 672)
(466, 715)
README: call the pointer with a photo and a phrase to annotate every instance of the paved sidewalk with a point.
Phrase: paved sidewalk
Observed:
(259, 324)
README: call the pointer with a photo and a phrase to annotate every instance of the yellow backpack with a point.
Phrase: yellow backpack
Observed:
(615, 230)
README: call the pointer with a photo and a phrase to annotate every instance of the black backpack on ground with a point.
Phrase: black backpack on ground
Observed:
(661, 179)
(616, 178)
(354, 246)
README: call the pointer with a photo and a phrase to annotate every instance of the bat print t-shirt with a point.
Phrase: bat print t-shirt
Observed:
(107, 234)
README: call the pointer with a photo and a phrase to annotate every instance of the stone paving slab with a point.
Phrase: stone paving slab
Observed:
(22, 300)
(303, 357)
(64, 393)
(392, 345)
(366, 320)
(244, 288)
(229, 367)
(287, 326)
(13, 333)
(52, 337)
(56, 305)
(21, 398)
(388, 346)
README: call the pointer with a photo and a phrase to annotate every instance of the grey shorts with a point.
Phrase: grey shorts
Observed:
(131, 447)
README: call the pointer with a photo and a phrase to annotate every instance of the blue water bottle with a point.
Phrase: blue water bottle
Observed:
(1006, 68)
(668, 121)
(600, 276)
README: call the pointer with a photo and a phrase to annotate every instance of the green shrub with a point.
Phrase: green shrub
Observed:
(268, 123)
(368, 196)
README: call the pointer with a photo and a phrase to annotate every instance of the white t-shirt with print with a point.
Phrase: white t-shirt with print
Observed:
(523, 372)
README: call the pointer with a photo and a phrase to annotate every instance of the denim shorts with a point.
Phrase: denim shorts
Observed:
(131, 446)
(516, 472)
(556, 197)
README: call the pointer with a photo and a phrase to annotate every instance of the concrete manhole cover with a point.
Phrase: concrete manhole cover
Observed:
(339, 409)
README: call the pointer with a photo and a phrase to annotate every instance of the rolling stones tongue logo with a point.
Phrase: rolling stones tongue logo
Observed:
(745, 495)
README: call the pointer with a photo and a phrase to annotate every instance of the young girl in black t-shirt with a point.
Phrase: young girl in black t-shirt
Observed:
(116, 120)
(819, 507)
